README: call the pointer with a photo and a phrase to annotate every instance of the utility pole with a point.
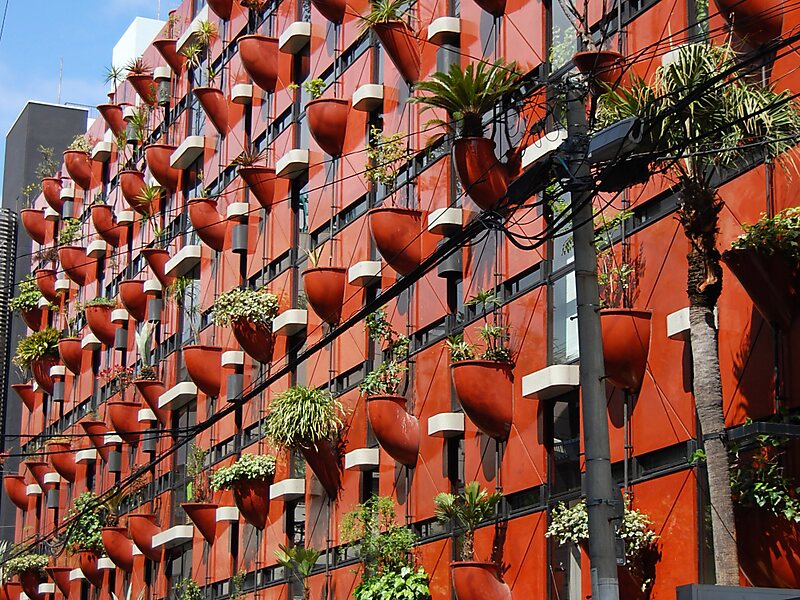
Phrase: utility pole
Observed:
(600, 498)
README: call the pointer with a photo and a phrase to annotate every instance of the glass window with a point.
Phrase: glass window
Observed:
(565, 321)
(563, 38)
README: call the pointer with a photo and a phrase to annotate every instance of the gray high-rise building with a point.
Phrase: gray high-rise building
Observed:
(39, 124)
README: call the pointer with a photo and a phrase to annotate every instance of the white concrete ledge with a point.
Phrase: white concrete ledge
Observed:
(227, 513)
(152, 287)
(62, 285)
(364, 273)
(43, 303)
(146, 415)
(178, 395)
(549, 142)
(191, 31)
(102, 151)
(442, 220)
(135, 550)
(186, 259)
(678, 324)
(368, 97)
(287, 489)
(237, 210)
(33, 490)
(189, 151)
(125, 217)
(96, 249)
(162, 73)
(67, 193)
(174, 536)
(551, 381)
(242, 93)
(47, 588)
(362, 459)
(106, 564)
(444, 30)
(76, 574)
(112, 438)
(58, 371)
(120, 315)
(129, 112)
(295, 37)
(88, 455)
(24, 596)
(290, 322)
(232, 358)
(90, 342)
(292, 164)
(52, 478)
(445, 425)
(50, 214)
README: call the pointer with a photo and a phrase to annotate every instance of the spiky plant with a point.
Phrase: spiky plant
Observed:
(302, 417)
(137, 66)
(467, 510)
(115, 75)
(384, 11)
(299, 561)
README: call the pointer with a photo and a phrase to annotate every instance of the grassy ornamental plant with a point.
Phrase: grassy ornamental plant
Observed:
(81, 144)
(773, 235)
(28, 296)
(494, 335)
(302, 417)
(40, 344)
(101, 301)
(247, 467)
(84, 523)
(385, 11)
(24, 563)
(467, 510)
(258, 307)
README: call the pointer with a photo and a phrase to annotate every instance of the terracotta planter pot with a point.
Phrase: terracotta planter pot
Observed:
(324, 460)
(261, 183)
(118, 547)
(26, 394)
(204, 366)
(483, 177)
(51, 188)
(142, 528)
(402, 46)
(71, 353)
(112, 115)
(492, 412)
(256, 340)
(324, 287)
(79, 167)
(16, 490)
(32, 318)
(496, 8)
(10, 590)
(221, 8)
(40, 368)
(79, 267)
(769, 548)
(38, 469)
(396, 431)
(157, 260)
(132, 185)
(333, 10)
(60, 576)
(30, 580)
(757, 21)
(96, 431)
(167, 49)
(327, 122)
(397, 233)
(145, 86)
(131, 295)
(252, 499)
(151, 390)
(105, 224)
(46, 282)
(209, 224)
(35, 224)
(770, 280)
(204, 516)
(604, 67)
(215, 106)
(62, 458)
(87, 560)
(260, 58)
(124, 417)
(99, 320)
(157, 157)
(626, 343)
(478, 581)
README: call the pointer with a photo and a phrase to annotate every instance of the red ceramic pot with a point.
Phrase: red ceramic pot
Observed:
(215, 106)
(51, 188)
(142, 528)
(63, 460)
(209, 224)
(204, 516)
(96, 432)
(324, 460)
(32, 318)
(157, 157)
(26, 394)
(324, 287)
(167, 49)
(35, 224)
(604, 67)
(79, 267)
(151, 390)
(485, 389)
(60, 576)
(112, 115)
(396, 431)
(477, 581)
(252, 499)
(40, 368)
(261, 183)
(87, 560)
(132, 185)
(30, 580)
(131, 295)
(39, 468)
(756, 21)
(71, 353)
(16, 490)
(99, 320)
(626, 343)
(145, 86)
(157, 259)
(496, 8)
(327, 122)
(333, 10)
(260, 58)
(483, 177)
(124, 417)
(221, 8)
(105, 224)
(46, 282)
(79, 167)
(397, 233)
(118, 547)
(10, 590)
(401, 44)
(204, 366)
(256, 340)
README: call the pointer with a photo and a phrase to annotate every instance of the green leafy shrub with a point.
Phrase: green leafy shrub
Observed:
(493, 334)
(247, 467)
(70, 229)
(28, 296)
(258, 307)
(301, 417)
(29, 561)
(386, 156)
(100, 301)
(84, 524)
(387, 378)
(773, 235)
(80, 143)
(405, 584)
(300, 563)
(40, 344)
(468, 510)
(188, 589)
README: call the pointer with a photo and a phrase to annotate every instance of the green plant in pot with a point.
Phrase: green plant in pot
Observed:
(466, 95)
(83, 534)
(37, 353)
(188, 589)
(326, 117)
(324, 285)
(300, 562)
(309, 420)
(249, 313)
(199, 507)
(26, 302)
(29, 568)
(249, 478)
(387, 18)
(98, 316)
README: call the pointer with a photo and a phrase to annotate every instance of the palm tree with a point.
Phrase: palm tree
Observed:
(300, 562)
(702, 115)
(468, 510)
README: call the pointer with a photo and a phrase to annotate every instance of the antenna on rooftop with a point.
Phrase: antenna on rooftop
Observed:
(60, 75)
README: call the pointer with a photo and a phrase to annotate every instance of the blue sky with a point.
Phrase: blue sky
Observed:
(38, 33)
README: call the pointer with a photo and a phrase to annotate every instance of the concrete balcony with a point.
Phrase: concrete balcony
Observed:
(364, 273)
(295, 37)
(186, 259)
(227, 513)
(102, 151)
(178, 395)
(189, 151)
(446, 425)
(363, 459)
(290, 322)
(292, 164)
(287, 489)
(368, 97)
(232, 358)
(90, 342)
(85, 456)
(444, 30)
(551, 382)
(174, 536)
(444, 220)
(242, 93)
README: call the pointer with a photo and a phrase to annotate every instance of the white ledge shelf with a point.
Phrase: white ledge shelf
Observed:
(105, 564)
(227, 513)
(67, 193)
(292, 164)
(678, 324)
(125, 217)
(178, 395)
(112, 439)
(102, 151)
(547, 144)
(152, 287)
(242, 93)
(368, 97)
(33, 490)
(43, 303)
(47, 588)
(232, 358)
(443, 220)
(62, 285)
(446, 425)
(50, 214)
(290, 322)
(444, 30)
(189, 151)
(363, 459)
(364, 273)
(90, 342)
(76, 574)
(162, 74)
(58, 371)
(551, 382)
(295, 37)
(187, 37)
(287, 489)
(120, 315)
(237, 211)
(129, 112)
(174, 536)
(84, 456)
(145, 415)
(52, 478)
(96, 249)
(186, 259)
